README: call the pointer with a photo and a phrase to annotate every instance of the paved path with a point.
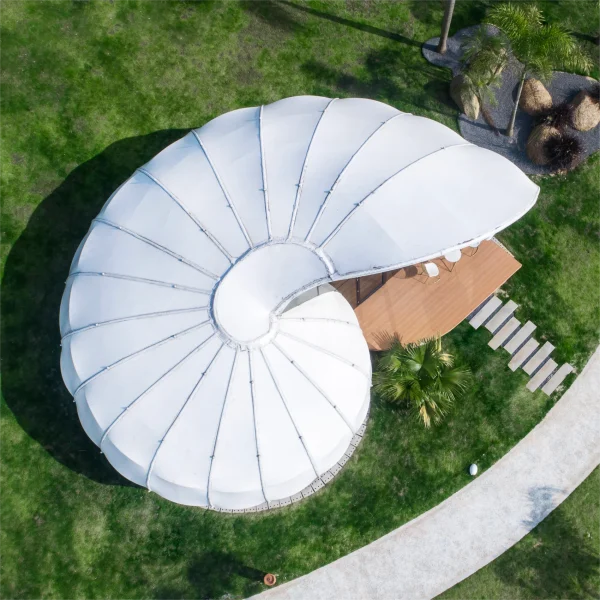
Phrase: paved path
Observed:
(474, 526)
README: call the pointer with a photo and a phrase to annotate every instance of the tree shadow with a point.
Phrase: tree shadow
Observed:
(210, 576)
(554, 560)
(272, 13)
(32, 287)
(354, 24)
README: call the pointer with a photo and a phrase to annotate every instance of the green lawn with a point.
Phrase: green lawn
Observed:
(90, 91)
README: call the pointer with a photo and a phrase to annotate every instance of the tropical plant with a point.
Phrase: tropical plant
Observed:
(558, 116)
(541, 47)
(421, 375)
(448, 10)
(485, 55)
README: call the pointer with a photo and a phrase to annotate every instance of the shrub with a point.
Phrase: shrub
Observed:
(564, 152)
(558, 117)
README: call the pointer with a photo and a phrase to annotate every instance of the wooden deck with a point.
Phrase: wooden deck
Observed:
(399, 303)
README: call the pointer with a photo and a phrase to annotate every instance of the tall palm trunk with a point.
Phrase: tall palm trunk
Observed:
(511, 126)
(446, 26)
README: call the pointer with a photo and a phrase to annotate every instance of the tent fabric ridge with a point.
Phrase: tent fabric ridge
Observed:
(152, 386)
(263, 169)
(137, 353)
(186, 210)
(224, 190)
(190, 396)
(327, 319)
(283, 401)
(341, 224)
(303, 170)
(158, 246)
(175, 286)
(328, 352)
(134, 318)
(214, 447)
(315, 385)
(343, 171)
(252, 397)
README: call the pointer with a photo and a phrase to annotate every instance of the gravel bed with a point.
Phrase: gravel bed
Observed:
(563, 88)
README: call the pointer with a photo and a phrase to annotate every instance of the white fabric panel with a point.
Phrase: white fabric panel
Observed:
(417, 216)
(182, 467)
(324, 432)
(263, 279)
(189, 269)
(233, 145)
(142, 206)
(285, 465)
(116, 341)
(287, 129)
(114, 390)
(138, 433)
(235, 478)
(113, 251)
(380, 158)
(343, 129)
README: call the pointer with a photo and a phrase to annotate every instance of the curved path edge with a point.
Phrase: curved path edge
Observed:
(443, 546)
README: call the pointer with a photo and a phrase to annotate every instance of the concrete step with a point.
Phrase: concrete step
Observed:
(541, 375)
(523, 354)
(502, 335)
(501, 316)
(538, 358)
(557, 379)
(485, 312)
(519, 338)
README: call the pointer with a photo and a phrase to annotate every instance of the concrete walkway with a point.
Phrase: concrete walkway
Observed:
(474, 526)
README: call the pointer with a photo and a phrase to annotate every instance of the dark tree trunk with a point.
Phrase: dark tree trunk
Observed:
(511, 126)
(446, 26)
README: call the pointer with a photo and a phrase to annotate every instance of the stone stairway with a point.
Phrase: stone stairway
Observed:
(517, 339)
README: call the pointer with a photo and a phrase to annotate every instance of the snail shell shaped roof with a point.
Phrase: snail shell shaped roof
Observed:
(207, 355)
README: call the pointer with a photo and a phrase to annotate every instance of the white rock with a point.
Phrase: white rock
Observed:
(473, 470)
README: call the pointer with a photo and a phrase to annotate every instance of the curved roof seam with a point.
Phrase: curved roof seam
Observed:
(325, 351)
(158, 246)
(252, 397)
(356, 325)
(214, 449)
(263, 168)
(343, 171)
(303, 171)
(370, 194)
(314, 384)
(134, 318)
(189, 213)
(191, 395)
(152, 386)
(225, 191)
(283, 401)
(152, 346)
(175, 286)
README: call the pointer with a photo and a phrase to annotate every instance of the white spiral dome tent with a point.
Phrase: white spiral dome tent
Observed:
(207, 355)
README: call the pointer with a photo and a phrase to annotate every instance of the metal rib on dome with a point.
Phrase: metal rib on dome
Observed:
(207, 355)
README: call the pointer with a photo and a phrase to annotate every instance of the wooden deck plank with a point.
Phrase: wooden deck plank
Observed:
(541, 375)
(504, 333)
(557, 379)
(501, 316)
(414, 311)
(523, 354)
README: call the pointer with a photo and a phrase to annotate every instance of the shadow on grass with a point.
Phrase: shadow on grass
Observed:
(554, 561)
(210, 576)
(34, 280)
(385, 70)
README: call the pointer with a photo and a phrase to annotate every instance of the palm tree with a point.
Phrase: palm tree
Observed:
(423, 375)
(449, 9)
(541, 47)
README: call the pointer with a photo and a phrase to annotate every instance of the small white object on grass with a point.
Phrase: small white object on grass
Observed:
(473, 470)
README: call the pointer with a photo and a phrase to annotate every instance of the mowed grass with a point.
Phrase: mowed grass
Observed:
(90, 91)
